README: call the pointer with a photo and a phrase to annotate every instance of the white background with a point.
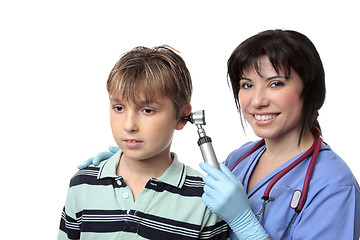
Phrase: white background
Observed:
(55, 57)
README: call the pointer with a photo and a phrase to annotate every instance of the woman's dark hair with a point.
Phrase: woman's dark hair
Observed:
(286, 50)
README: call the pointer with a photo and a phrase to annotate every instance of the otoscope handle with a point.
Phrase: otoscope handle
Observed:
(208, 152)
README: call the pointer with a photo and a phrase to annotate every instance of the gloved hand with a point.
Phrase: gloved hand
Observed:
(225, 196)
(99, 157)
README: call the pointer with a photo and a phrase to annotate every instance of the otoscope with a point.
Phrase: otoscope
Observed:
(204, 141)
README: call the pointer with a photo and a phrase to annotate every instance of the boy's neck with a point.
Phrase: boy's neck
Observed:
(136, 173)
(151, 168)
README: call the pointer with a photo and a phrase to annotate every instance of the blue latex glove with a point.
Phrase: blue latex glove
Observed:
(99, 157)
(225, 196)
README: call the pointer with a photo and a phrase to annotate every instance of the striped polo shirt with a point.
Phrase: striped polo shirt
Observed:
(100, 205)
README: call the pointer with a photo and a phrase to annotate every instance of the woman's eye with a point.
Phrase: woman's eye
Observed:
(277, 84)
(245, 85)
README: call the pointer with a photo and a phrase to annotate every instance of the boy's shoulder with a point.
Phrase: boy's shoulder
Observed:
(193, 180)
(89, 175)
(192, 172)
(178, 171)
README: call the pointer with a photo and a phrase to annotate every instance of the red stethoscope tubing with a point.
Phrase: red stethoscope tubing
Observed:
(313, 150)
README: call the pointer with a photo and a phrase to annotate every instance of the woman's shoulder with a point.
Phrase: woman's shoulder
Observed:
(235, 155)
(330, 164)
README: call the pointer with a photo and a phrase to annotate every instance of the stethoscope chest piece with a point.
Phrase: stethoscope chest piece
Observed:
(295, 199)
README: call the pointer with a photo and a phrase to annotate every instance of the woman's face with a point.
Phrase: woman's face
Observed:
(271, 103)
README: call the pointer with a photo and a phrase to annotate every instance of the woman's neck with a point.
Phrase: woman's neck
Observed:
(287, 147)
(278, 151)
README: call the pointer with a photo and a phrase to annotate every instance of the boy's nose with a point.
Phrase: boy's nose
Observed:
(130, 123)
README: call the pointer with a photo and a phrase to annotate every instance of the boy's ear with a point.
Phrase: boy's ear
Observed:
(181, 123)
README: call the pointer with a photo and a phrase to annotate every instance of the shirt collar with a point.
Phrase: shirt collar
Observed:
(174, 175)
(110, 166)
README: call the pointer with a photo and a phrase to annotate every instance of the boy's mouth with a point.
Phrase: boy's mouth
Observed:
(132, 143)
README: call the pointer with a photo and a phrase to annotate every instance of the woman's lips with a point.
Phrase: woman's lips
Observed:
(264, 119)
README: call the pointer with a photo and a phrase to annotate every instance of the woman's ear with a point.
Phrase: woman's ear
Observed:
(185, 112)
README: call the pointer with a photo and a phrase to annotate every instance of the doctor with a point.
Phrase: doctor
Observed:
(278, 83)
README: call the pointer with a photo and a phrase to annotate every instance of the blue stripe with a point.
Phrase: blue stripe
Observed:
(147, 225)
(70, 226)
(193, 186)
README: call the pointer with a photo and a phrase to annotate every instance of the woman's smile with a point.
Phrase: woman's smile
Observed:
(264, 117)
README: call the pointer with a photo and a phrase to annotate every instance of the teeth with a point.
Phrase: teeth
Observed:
(132, 141)
(264, 117)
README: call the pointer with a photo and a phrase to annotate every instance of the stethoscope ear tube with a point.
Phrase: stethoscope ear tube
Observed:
(314, 151)
(309, 171)
(253, 149)
(303, 194)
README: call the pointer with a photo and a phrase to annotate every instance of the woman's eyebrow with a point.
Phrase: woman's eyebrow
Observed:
(274, 77)
(267, 79)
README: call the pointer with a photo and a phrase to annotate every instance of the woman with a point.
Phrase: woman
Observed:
(278, 84)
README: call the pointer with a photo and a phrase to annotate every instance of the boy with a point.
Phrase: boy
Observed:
(143, 191)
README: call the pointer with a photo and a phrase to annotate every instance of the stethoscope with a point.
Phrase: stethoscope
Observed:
(299, 197)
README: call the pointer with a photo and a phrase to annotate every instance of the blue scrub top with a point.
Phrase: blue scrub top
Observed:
(332, 208)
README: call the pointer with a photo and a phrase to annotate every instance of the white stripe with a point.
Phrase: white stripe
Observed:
(71, 225)
(156, 225)
(87, 172)
(193, 183)
(146, 222)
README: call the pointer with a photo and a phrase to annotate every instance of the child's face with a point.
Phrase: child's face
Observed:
(143, 129)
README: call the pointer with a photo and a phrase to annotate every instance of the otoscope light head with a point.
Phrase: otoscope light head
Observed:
(197, 117)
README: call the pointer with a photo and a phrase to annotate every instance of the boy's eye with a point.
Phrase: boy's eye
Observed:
(118, 108)
(148, 111)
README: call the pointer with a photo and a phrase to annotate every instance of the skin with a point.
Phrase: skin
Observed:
(272, 105)
(144, 131)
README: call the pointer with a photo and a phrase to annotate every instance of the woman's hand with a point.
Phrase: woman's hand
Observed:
(99, 157)
(225, 196)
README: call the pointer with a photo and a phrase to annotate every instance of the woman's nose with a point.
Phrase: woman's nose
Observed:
(259, 98)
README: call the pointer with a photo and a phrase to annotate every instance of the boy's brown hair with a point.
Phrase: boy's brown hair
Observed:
(152, 72)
